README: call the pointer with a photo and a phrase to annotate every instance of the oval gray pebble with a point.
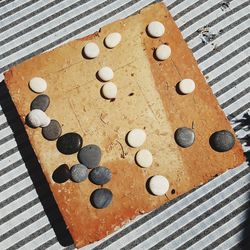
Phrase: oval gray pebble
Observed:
(222, 141)
(79, 173)
(90, 156)
(101, 198)
(100, 175)
(52, 131)
(184, 137)
(40, 102)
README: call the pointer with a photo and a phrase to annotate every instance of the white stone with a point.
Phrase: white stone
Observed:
(163, 52)
(136, 137)
(91, 50)
(37, 118)
(109, 90)
(144, 158)
(38, 84)
(158, 185)
(186, 86)
(106, 73)
(156, 29)
(113, 39)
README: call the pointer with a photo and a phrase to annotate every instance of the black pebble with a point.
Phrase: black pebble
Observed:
(61, 174)
(69, 143)
(52, 131)
(40, 102)
(222, 141)
(90, 156)
(100, 175)
(101, 198)
(184, 137)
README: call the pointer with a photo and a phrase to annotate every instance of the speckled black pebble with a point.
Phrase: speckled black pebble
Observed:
(40, 102)
(101, 198)
(79, 173)
(90, 156)
(69, 143)
(184, 137)
(52, 131)
(222, 141)
(100, 175)
(61, 174)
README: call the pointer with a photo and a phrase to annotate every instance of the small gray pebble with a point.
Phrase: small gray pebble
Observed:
(79, 173)
(40, 102)
(101, 198)
(52, 131)
(100, 175)
(184, 137)
(222, 141)
(90, 156)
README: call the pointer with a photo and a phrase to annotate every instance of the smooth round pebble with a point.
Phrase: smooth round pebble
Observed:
(136, 137)
(61, 174)
(186, 86)
(38, 84)
(113, 39)
(79, 173)
(109, 90)
(184, 137)
(37, 118)
(100, 175)
(222, 141)
(52, 131)
(69, 143)
(90, 156)
(106, 74)
(91, 50)
(158, 185)
(144, 158)
(163, 52)
(156, 29)
(101, 198)
(40, 102)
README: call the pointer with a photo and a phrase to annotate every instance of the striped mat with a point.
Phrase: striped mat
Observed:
(214, 216)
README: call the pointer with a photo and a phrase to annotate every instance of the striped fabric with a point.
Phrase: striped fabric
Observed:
(214, 216)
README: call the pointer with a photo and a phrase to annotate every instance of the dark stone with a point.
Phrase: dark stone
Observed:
(61, 174)
(100, 175)
(52, 131)
(69, 143)
(40, 102)
(101, 198)
(222, 141)
(79, 173)
(90, 156)
(184, 137)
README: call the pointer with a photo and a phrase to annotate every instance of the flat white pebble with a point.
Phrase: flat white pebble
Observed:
(91, 50)
(144, 158)
(186, 86)
(163, 52)
(37, 118)
(136, 137)
(109, 90)
(158, 185)
(38, 84)
(113, 39)
(106, 73)
(156, 29)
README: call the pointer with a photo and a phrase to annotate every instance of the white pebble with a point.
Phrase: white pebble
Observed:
(163, 52)
(136, 137)
(113, 39)
(144, 158)
(156, 29)
(91, 50)
(109, 90)
(186, 86)
(37, 118)
(38, 84)
(106, 74)
(158, 185)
